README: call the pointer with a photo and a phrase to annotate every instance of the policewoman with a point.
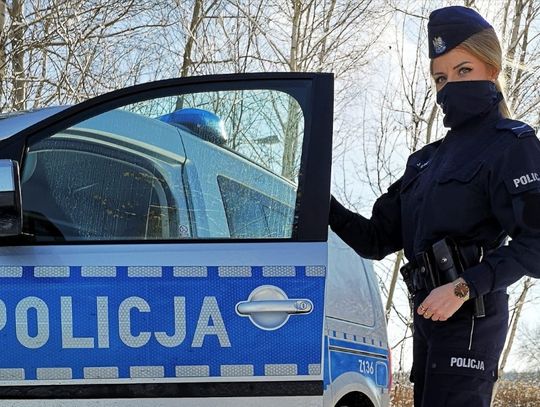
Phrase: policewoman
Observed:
(474, 188)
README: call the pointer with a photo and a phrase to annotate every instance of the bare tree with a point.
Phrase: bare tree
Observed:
(280, 35)
(61, 51)
(514, 320)
(529, 348)
(522, 70)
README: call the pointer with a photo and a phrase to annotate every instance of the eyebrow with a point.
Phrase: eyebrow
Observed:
(455, 67)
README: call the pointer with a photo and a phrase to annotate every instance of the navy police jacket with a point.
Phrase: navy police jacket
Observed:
(478, 185)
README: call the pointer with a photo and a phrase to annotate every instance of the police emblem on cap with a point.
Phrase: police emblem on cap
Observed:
(439, 45)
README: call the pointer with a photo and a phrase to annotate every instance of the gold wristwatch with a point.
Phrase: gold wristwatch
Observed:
(461, 289)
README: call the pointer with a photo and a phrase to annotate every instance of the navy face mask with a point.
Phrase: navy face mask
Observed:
(465, 100)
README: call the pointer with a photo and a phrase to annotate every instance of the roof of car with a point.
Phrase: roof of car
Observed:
(13, 122)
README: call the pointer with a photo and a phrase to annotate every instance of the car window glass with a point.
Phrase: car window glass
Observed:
(204, 165)
(251, 213)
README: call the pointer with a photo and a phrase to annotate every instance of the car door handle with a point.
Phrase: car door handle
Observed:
(286, 306)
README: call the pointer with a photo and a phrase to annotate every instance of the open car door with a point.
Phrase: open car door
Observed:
(174, 247)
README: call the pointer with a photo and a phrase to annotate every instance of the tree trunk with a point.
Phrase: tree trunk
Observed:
(395, 275)
(3, 36)
(195, 21)
(514, 40)
(188, 49)
(297, 14)
(290, 142)
(290, 147)
(516, 85)
(17, 33)
(430, 123)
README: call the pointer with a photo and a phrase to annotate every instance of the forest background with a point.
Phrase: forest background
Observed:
(55, 52)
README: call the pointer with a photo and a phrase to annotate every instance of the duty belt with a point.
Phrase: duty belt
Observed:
(429, 269)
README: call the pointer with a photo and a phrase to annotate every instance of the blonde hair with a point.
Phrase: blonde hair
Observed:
(485, 46)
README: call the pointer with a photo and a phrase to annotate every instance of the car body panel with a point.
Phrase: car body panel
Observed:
(111, 321)
(13, 123)
(112, 318)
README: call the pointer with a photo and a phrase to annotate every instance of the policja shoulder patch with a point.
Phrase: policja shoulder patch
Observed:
(519, 169)
(530, 180)
(525, 182)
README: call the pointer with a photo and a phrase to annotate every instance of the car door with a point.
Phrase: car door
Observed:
(174, 247)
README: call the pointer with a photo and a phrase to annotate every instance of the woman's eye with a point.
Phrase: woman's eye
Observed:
(440, 80)
(464, 70)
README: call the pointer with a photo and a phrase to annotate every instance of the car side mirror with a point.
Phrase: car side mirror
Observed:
(10, 199)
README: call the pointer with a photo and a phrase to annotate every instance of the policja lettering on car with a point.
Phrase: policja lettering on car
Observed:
(209, 322)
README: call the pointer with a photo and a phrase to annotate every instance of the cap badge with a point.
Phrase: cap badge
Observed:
(439, 45)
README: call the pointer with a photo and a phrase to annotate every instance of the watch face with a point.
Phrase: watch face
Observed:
(461, 289)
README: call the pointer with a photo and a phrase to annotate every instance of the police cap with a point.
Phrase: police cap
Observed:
(450, 26)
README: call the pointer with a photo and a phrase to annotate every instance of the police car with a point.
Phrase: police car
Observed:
(167, 244)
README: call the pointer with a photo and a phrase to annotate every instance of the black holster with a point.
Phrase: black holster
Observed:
(442, 264)
(451, 261)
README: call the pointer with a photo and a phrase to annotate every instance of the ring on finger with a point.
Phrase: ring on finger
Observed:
(422, 308)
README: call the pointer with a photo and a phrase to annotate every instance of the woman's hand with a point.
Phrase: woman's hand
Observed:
(440, 304)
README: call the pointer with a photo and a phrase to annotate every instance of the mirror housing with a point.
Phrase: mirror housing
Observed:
(11, 218)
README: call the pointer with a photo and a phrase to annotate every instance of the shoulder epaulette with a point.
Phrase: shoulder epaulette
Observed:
(428, 148)
(519, 129)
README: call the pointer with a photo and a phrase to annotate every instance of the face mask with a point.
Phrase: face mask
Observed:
(464, 100)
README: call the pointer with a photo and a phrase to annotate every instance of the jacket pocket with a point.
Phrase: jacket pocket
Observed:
(460, 362)
(463, 175)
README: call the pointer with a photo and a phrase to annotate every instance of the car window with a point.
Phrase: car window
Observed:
(204, 165)
(251, 213)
